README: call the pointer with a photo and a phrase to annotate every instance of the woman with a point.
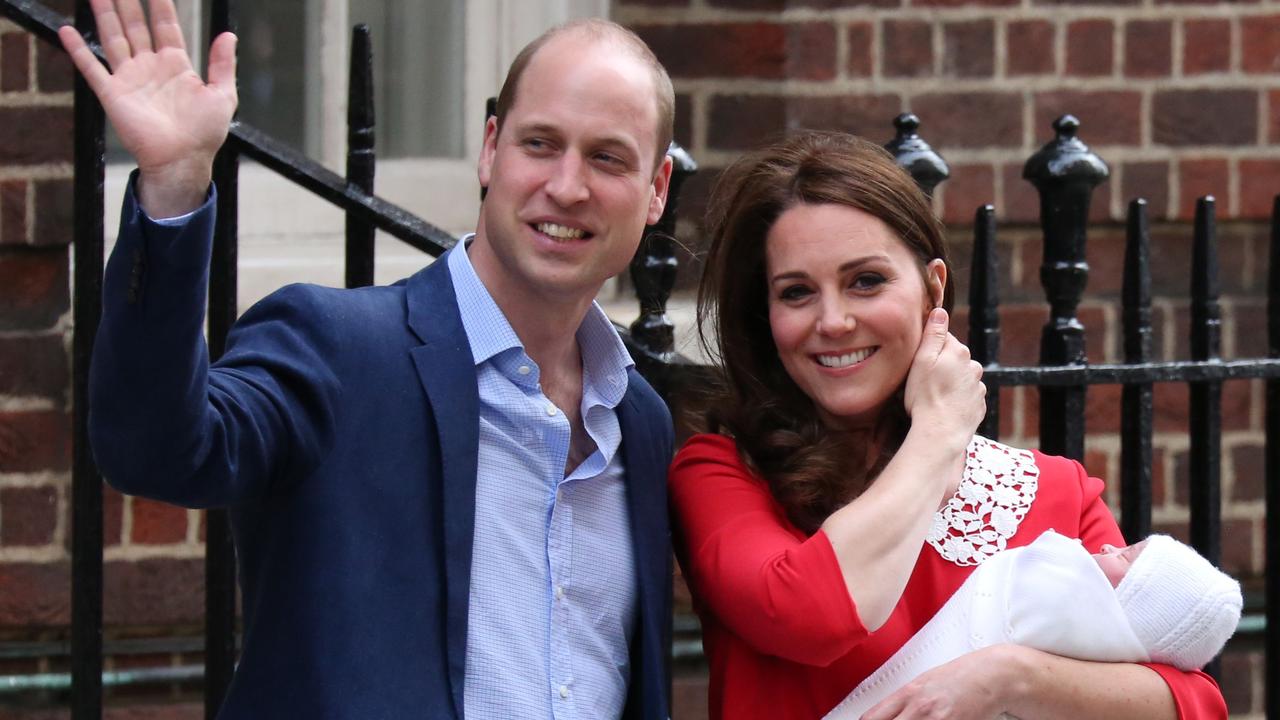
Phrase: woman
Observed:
(842, 496)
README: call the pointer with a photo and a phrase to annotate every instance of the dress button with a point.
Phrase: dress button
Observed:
(524, 369)
(564, 691)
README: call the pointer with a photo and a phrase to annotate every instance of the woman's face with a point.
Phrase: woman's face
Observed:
(847, 305)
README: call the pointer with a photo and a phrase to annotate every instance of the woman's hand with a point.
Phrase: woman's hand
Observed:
(167, 117)
(967, 688)
(944, 390)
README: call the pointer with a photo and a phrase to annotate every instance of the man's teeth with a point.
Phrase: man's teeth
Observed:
(839, 361)
(560, 231)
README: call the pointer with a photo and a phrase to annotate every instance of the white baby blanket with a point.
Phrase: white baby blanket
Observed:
(1050, 595)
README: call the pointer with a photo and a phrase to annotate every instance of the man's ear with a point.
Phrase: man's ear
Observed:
(935, 280)
(661, 184)
(484, 167)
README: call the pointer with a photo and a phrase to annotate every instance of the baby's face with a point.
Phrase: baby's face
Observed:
(1115, 561)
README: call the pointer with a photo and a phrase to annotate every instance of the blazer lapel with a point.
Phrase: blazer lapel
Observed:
(447, 371)
(647, 507)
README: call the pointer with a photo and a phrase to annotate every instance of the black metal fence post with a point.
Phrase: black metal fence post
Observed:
(915, 155)
(1065, 173)
(360, 155)
(1136, 399)
(1206, 396)
(86, 482)
(220, 555)
(1271, 469)
(984, 310)
(653, 267)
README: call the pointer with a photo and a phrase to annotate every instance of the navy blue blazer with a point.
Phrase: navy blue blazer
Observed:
(341, 430)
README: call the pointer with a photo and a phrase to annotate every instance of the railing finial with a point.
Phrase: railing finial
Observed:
(1065, 172)
(915, 155)
(653, 269)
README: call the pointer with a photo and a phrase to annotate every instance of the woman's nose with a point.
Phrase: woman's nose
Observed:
(836, 319)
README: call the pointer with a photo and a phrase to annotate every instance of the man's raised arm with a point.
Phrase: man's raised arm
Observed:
(167, 117)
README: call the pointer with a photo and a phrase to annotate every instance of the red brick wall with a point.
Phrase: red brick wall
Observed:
(1179, 97)
(986, 78)
(154, 571)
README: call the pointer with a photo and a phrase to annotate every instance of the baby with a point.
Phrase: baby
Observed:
(1154, 601)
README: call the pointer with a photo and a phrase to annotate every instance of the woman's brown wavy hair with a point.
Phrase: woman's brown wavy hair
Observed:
(811, 469)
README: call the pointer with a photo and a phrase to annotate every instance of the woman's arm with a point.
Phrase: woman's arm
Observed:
(1027, 683)
(877, 537)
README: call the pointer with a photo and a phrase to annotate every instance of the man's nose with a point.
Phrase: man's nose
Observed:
(568, 183)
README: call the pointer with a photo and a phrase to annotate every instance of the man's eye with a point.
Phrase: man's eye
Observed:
(611, 160)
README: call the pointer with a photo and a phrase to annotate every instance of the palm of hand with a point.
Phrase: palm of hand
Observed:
(163, 111)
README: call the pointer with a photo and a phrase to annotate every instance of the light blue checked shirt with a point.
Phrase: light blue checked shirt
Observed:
(553, 580)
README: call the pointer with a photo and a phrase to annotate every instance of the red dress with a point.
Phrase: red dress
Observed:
(782, 636)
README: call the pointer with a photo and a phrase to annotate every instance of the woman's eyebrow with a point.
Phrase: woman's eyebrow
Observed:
(844, 267)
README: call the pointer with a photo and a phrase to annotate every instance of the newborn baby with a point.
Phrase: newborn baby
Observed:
(1154, 601)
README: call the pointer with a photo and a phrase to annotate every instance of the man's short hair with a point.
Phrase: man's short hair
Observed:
(600, 30)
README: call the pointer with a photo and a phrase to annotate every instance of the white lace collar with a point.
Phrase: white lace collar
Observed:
(994, 494)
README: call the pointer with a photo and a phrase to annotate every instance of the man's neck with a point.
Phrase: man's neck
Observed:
(546, 323)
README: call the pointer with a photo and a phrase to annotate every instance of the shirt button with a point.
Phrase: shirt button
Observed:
(559, 593)
(551, 410)
(524, 369)
(564, 691)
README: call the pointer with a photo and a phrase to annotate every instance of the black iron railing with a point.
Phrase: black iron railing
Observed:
(1064, 172)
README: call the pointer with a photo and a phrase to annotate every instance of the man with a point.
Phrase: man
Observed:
(447, 495)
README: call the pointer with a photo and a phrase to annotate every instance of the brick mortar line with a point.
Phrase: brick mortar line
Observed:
(62, 522)
(1177, 48)
(33, 69)
(48, 478)
(842, 53)
(24, 334)
(907, 86)
(633, 16)
(1111, 154)
(126, 520)
(24, 403)
(175, 551)
(1235, 36)
(29, 207)
(1118, 46)
(42, 555)
(36, 99)
(46, 171)
(193, 527)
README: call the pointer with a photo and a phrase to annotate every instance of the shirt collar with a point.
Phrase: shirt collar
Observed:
(605, 359)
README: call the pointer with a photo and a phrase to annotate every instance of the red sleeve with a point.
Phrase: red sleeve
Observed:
(781, 593)
(1195, 693)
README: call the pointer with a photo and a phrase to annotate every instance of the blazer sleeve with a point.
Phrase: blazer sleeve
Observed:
(1196, 694)
(162, 422)
(783, 594)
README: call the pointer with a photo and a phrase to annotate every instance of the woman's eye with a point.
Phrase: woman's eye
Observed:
(868, 281)
(793, 292)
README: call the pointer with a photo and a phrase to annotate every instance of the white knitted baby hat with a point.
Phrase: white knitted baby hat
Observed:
(1180, 606)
